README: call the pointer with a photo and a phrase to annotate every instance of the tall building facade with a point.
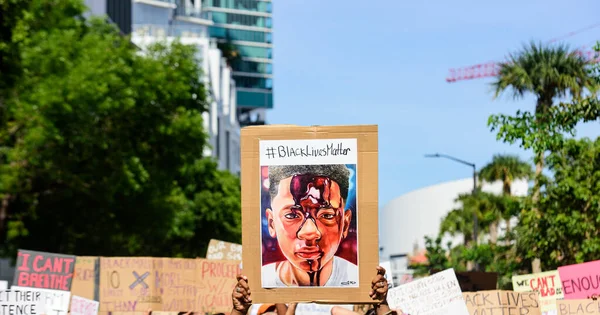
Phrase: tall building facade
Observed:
(246, 26)
(151, 21)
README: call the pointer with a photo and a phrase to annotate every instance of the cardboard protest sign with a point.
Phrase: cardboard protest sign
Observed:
(86, 278)
(21, 302)
(473, 281)
(135, 284)
(309, 212)
(502, 302)
(44, 270)
(83, 306)
(546, 284)
(56, 302)
(581, 281)
(433, 295)
(221, 250)
(579, 307)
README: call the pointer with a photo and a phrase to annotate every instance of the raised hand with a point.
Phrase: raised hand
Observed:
(379, 286)
(241, 295)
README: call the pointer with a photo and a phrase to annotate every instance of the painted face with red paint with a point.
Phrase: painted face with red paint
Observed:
(308, 219)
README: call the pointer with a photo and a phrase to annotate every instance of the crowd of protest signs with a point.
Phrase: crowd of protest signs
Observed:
(55, 284)
(289, 157)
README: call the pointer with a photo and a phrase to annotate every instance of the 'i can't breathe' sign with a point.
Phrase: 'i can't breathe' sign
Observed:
(44, 270)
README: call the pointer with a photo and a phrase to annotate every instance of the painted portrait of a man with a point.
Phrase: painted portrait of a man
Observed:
(309, 226)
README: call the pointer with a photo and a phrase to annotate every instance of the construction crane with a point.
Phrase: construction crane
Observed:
(490, 69)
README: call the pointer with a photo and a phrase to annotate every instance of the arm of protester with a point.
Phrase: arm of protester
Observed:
(291, 309)
(379, 290)
(241, 297)
(281, 308)
(337, 310)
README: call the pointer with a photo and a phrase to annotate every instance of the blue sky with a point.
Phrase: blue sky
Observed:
(385, 62)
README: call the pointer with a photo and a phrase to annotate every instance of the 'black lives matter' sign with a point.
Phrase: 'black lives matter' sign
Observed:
(44, 270)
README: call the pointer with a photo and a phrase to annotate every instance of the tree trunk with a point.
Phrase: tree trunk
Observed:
(543, 105)
(3, 213)
(507, 237)
(494, 232)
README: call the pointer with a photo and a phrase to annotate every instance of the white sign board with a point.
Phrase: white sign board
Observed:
(3, 285)
(387, 265)
(438, 294)
(306, 309)
(56, 302)
(83, 306)
(20, 302)
(313, 308)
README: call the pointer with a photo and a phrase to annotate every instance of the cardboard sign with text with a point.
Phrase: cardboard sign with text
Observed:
(44, 270)
(83, 306)
(24, 302)
(579, 307)
(433, 295)
(56, 302)
(221, 250)
(581, 281)
(502, 302)
(473, 281)
(334, 166)
(86, 278)
(547, 284)
(135, 284)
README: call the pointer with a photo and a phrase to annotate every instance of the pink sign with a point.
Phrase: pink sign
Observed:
(83, 306)
(580, 281)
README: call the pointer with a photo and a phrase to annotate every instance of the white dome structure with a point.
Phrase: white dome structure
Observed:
(405, 221)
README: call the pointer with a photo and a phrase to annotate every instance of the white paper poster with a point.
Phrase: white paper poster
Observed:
(21, 302)
(56, 302)
(83, 306)
(438, 294)
(305, 309)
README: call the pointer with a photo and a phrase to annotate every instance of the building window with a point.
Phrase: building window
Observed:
(253, 83)
(218, 139)
(252, 66)
(269, 37)
(256, 52)
(241, 35)
(227, 146)
(268, 22)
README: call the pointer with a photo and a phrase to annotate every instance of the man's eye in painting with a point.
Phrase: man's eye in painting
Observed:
(291, 216)
(328, 216)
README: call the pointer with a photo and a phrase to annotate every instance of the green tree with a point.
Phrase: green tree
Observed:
(568, 232)
(506, 168)
(547, 72)
(101, 152)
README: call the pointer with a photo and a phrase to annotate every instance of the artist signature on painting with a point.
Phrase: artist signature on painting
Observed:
(347, 283)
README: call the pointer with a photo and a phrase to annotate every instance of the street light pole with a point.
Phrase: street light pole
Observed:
(474, 192)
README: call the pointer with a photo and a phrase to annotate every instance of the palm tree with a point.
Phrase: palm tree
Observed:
(547, 72)
(506, 168)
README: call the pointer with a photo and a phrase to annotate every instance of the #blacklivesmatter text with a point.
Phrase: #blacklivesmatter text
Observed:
(288, 151)
(501, 303)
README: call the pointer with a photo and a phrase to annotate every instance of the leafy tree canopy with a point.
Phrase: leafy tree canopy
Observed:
(101, 149)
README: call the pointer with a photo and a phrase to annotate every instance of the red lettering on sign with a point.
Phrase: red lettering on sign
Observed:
(23, 266)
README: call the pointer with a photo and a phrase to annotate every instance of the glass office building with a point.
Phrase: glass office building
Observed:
(247, 25)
